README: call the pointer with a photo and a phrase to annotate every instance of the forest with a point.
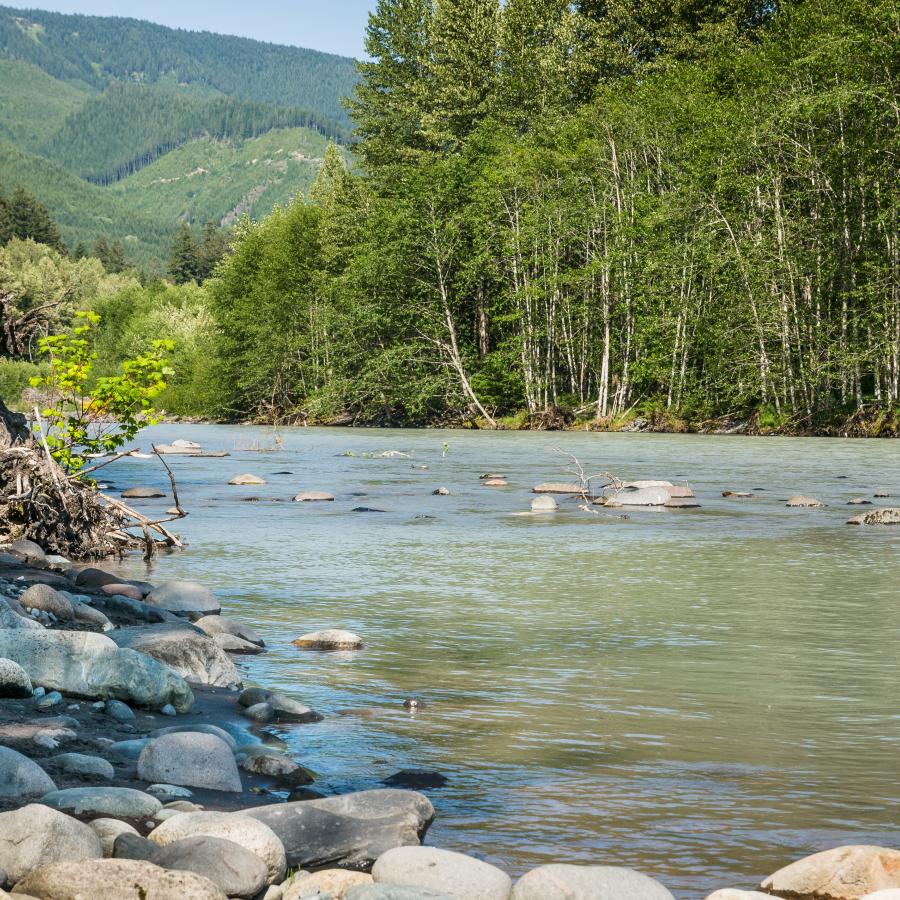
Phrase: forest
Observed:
(594, 215)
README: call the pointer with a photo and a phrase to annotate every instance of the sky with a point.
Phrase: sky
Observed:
(336, 27)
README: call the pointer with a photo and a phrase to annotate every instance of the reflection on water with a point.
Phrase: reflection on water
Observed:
(702, 694)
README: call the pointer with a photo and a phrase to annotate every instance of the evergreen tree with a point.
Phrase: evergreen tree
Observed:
(184, 262)
(115, 260)
(212, 247)
(6, 223)
(80, 251)
(31, 220)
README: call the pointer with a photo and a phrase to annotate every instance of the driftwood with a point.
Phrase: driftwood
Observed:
(67, 515)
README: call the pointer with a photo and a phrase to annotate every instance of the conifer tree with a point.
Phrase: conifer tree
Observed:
(6, 226)
(31, 220)
(184, 263)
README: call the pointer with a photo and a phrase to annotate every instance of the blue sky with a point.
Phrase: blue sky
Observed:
(336, 26)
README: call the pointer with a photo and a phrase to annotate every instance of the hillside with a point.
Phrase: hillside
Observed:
(125, 129)
(95, 51)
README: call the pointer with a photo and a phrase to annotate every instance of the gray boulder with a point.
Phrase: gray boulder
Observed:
(462, 876)
(142, 493)
(185, 598)
(204, 729)
(231, 644)
(122, 879)
(213, 625)
(37, 835)
(237, 871)
(117, 802)
(562, 882)
(887, 515)
(91, 666)
(543, 504)
(91, 577)
(90, 616)
(27, 551)
(349, 831)
(13, 620)
(192, 759)
(108, 830)
(650, 496)
(82, 764)
(132, 610)
(14, 680)
(127, 751)
(21, 777)
(47, 599)
(285, 708)
(239, 828)
(183, 648)
(119, 711)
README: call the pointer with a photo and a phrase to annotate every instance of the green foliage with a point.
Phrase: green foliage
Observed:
(24, 217)
(84, 421)
(15, 377)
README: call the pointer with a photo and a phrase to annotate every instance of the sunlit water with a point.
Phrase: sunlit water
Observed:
(702, 694)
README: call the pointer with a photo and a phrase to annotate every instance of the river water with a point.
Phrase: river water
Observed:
(701, 694)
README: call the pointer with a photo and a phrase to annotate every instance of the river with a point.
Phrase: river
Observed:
(704, 695)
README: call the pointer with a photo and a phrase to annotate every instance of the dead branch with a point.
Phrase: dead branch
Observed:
(589, 492)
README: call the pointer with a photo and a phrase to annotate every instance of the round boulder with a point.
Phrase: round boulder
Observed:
(185, 598)
(37, 835)
(237, 871)
(44, 598)
(249, 833)
(561, 882)
(442, 870)
(213, 625)
(107, 830)
(118, 589)
(82, 764)
(142, 493)
(330, 639)
(94, 578)
(124, 879)
(331, 882)
(14, 680)
(544, 504)
(21, 777)
(191, 759)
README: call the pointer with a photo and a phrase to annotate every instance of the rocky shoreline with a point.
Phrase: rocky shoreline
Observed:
(135, 764)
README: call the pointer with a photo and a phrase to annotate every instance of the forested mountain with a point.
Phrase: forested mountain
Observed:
(102, 99)
(96, 51)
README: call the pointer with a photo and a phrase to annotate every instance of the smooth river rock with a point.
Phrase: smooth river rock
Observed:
(109, 830)
(544, 503)
(47, 599)
(142, 493)
(329, 639)
(350, 831)
(564, 882)
(650, 496)
(37, 835)
(285, 708)
(240, 828)
(83, 764)
(394, 892)
(313, 497)
(185, 649)
(465, 877)
(214, 625)
(116, 879)
(800, 501)
(117, 802)
(185, 598)
(21, 777)
(331, 882)
(557, 487)
(91, 666)
(190, 759)
(246, 479)
(843, 873)
(237, 871)
(14, 680)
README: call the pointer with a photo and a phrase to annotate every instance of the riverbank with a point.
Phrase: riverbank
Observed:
(132, 741)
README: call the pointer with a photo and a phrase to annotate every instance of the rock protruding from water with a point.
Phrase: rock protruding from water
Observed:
(843, 873)
(350, 831)
(190, 759)
(558, 487)
(329, 639)
(37, 835)
(247, 480)
(561, 882)
(122, 879)
(649, 496)
(89, 665)
(142, 493)
(313, 497)
(215, 625)
(185, 598)
(242, 829)
(802, 501)
(887, 515)
(544, 504)
(443, 871)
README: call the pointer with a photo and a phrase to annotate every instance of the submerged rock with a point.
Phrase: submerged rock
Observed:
(37, 835)
(330, 639)
(562, 882)
(544, 504)
(350, 831)
(843, 873)
(142, 493)
(247, 479)
(799, 500)
(556, 487)
(185, 598)
(213, 625)
(859, 501)
(443, 870)
(416, 779)
(313, 497)
(887, 515)
(91, 666)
